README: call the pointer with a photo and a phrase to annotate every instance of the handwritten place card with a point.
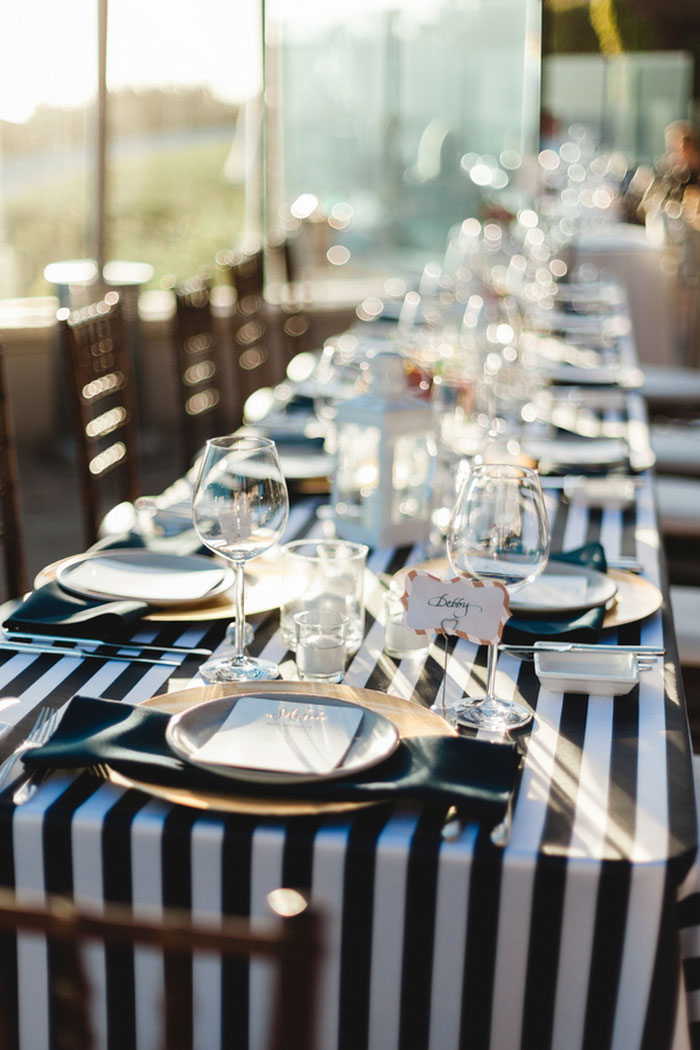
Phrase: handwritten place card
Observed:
(476, 610)
(285, 736)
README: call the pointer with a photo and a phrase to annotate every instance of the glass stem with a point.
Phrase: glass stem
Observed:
(239, 632)
(491, 673)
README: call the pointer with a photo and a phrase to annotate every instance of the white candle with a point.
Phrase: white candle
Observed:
(321, 656)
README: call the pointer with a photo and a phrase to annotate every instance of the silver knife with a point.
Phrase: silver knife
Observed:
(34, 649)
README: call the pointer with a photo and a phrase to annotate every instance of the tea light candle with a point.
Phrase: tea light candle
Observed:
(321, 645)
(319, 656)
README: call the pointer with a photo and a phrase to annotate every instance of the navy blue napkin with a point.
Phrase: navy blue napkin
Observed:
(475, 776)
(51, 610)
(577, 627)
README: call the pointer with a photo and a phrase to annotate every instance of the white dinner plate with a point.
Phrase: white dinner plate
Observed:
(376, 738)
(578, 452)
(139, 574)
(564, 588)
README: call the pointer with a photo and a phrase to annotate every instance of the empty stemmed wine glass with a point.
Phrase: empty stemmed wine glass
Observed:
(498, 531)
(239, 507)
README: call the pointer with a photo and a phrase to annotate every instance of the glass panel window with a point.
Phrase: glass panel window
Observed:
(390, 122)
(183, 83)
(48, 78)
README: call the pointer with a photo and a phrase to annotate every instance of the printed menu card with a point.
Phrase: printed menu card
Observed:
(283, 735)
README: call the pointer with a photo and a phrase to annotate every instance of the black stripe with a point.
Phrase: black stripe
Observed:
(298, 854)
(421, 898)
(595, 521)
(117, 887)
(688, 911)
(356, 945)
(543, 953)
(8, 944)
(559, 525)
(236, 897)
(628, 542)
(663, 993)
(606, 956)
(550, 879)
(176, 852)
(58, 870)
(480, 958)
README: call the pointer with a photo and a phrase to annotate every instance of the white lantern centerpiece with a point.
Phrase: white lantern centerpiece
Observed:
(381, 491)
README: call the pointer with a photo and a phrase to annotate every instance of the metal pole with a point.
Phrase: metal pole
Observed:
(100, 201)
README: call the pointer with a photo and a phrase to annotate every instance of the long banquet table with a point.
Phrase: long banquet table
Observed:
(568, 937)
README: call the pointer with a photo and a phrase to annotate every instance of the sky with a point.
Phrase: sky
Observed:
(48, 50)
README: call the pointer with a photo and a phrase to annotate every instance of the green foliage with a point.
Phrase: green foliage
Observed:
(170, 207)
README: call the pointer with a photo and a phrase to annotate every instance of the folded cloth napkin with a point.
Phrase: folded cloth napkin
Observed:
(51, 610)
(571, 627)
(475, 776)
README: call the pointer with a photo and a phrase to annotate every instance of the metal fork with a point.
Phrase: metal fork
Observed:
(39, 733)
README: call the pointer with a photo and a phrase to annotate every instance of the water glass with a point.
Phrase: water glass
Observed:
(321, 645)
(323, 575)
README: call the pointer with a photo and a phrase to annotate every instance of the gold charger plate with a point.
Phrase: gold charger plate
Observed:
(263, 587)
(636, 597)
(410, 719)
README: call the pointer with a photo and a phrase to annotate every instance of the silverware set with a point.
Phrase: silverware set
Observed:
(84, 648)
(647, 655)
(46, 722)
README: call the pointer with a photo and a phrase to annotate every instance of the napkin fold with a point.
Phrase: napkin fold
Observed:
(51, 610)
(475, 776)
(571, 627)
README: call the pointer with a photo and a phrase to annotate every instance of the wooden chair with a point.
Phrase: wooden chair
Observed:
(102, 398)
(199, 367)
(10, 526)
(254, 337)
(290, 939)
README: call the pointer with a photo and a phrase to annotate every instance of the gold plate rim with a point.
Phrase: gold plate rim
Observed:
(411, 719)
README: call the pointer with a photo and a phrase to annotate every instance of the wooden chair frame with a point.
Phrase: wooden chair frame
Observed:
(102, 397)
(290, 939)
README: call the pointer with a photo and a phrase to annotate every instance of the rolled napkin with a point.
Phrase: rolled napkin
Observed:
(475, 776)
(571, 627)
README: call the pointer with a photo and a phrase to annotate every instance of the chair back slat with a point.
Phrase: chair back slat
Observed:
(101, 393)
(197, 356)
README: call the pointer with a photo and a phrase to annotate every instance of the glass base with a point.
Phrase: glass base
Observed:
(494, 714)
(247, 669)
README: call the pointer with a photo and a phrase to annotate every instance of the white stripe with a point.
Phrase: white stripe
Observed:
(576, 527)
(582, 875)
(32, 969)
(639, 951)
(88, 888)
(265, 876)
(146, 895)
(327, 891)
(206, 865)
(518, 873)
(450, 944)
(611, 532)
(389, 911)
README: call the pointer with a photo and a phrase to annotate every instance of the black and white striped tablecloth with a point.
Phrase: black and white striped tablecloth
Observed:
(568, 938)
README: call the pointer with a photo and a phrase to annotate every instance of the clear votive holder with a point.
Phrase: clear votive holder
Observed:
(401, 641)
(321, 645)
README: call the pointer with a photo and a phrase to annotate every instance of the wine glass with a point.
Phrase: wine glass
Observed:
(498, 531)
(239, 507)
